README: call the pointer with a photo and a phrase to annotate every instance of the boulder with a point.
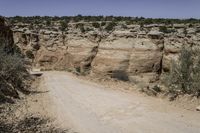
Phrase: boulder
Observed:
(154, 34)
(198, 108)
(6, 36)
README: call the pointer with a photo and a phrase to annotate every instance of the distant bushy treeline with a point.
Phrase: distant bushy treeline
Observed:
(128, 20)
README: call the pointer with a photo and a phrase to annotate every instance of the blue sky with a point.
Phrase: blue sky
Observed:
(145, 8)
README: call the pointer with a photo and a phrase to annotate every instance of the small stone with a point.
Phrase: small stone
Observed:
(198, 108)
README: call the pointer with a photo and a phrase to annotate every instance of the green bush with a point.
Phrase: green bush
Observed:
(110, 26)
(13, 75)
(103, 23)
(63, 25)
(184, 76)
(30, 54)
(96, 25)
(81, 27)
(79, 18)
(48, 23)
(163, 29)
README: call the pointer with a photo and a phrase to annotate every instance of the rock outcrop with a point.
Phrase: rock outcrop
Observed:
(12, 70)
(132, 53)
(6, 36)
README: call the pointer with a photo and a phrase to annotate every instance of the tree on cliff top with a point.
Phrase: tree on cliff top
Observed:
(63, 25)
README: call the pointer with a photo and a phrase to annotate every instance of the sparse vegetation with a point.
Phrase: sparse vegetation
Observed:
(30, 54)
(48, 22)
(103, 23)
(163, 29)
(185, 74)
(124, 26)
(63, 25)
(36, 46)
(96, 25)
(80, 26)
(13, 75)
(29, 124)
(110, 26)
(79, 18)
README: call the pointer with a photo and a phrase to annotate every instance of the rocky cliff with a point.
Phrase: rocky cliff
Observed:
(6, 36)
(13, 74)
(127, 52)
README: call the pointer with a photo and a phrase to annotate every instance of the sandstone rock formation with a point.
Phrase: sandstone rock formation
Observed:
(6, 36)
(12, 69)
(133, 53)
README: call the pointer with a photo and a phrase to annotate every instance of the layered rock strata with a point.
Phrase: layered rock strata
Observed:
(132, 53)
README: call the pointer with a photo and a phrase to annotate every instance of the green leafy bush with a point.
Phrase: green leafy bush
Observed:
(96, 25)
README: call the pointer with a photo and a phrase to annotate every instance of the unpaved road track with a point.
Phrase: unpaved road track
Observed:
(90, 108)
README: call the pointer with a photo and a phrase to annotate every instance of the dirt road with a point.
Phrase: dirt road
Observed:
(90, 108)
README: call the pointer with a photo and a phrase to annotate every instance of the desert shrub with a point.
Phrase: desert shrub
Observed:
(78, 70)
(48, 23)
(31, 27)
(190, 25)
(185, 74)
(13, 75)
(88, 29)
(82, 29)
(36, 124)
(79, 18)
(63, 25)
(28, 124)
(129, 22)
(103, 23)
(30, 54)
(96, 25)
(118, 74)
(163, 29)
(185, 31)
(110, 26)
(80, 26)
(124, 26)
(156, 88)
(36, 46)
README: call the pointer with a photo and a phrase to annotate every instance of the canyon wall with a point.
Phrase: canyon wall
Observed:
(130, 52)
(6, 36)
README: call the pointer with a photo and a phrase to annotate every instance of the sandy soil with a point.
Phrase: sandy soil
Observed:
(88, 107)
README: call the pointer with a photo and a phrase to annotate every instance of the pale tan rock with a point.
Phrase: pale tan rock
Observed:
(135, 52)
(198, 108)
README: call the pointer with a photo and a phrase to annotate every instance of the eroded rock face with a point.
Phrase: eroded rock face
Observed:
(8, 87)
(6, 36)
(124, 58)
(133, 53)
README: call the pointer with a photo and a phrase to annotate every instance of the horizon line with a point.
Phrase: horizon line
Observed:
(181, 18)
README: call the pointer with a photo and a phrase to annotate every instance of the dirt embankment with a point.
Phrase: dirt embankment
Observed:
(30, 114)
